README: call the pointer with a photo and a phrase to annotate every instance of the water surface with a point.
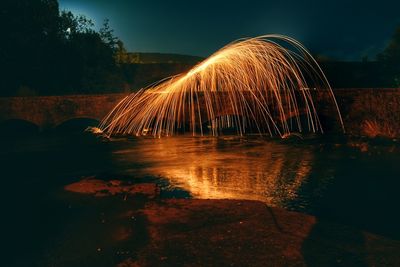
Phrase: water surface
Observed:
(323, 177)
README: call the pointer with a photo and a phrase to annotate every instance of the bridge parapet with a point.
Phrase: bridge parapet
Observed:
(50, 111)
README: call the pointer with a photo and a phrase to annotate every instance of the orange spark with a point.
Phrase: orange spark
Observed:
(258, 84)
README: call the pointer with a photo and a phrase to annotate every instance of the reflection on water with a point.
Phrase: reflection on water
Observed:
(223, 168)
(46, 225)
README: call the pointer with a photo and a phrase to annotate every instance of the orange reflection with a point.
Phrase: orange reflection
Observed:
(232, 168)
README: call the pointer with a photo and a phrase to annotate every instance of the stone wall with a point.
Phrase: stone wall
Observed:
(50, 111)
(368, 112)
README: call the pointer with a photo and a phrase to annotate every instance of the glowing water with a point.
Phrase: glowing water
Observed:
(252, 85)
(223, 168)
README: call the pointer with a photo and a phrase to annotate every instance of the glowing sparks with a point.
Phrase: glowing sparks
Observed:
(252, 85)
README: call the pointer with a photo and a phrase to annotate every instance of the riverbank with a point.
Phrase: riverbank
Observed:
(194, 232)
(352, 182)
(249, 233)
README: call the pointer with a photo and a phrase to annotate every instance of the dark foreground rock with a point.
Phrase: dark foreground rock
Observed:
(249, 233)
(101, 188)
(190, 232)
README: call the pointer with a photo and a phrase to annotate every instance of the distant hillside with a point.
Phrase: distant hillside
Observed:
(339, 74)
(156, 58)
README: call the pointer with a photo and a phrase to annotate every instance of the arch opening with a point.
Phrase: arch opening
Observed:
(76, 124)
(18, 127)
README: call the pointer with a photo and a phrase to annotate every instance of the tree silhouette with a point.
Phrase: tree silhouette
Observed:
(70, 24)
(47, 51)
(107, 35)
(390, 57)
(392, 51)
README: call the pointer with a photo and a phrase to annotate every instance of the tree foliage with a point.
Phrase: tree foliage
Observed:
(70, 24)
(390, 57)
(392, 51)
(107, 35)
(53, 52)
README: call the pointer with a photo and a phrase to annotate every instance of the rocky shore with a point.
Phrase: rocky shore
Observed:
(194, 232)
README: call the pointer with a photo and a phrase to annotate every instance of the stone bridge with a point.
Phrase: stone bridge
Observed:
(363, 109)
(50, 111)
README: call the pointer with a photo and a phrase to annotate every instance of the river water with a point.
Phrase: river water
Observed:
(321, 176)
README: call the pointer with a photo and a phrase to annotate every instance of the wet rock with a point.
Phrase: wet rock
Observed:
(249, 233)
(362, 146)
(149, 189)
(374, 145)
(101, 188)
(129, 263)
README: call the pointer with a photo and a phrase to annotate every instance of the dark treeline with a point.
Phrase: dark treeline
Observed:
(370, 74)
(381, 72)
(45, 51)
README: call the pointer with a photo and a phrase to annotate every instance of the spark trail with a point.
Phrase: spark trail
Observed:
(262, 84)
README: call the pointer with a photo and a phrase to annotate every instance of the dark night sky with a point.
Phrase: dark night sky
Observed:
(345, 30)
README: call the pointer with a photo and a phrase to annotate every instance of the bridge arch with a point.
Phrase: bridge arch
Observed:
(230, 122)
(76, 123)
(16, 126)
(50, 111)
